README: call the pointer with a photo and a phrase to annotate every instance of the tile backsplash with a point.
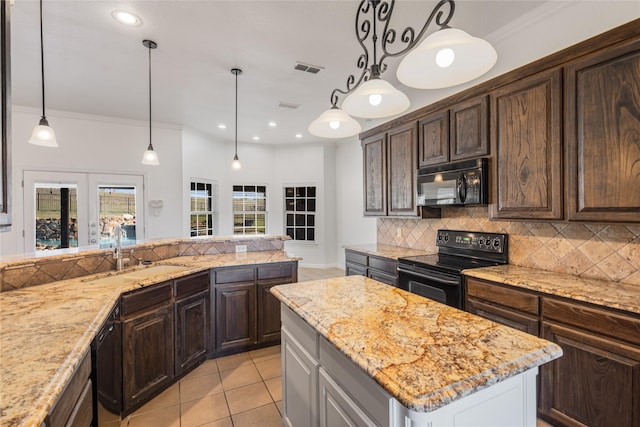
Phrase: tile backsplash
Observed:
(602, 251)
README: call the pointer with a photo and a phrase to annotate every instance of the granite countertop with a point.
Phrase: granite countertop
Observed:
(386, 251)
(423, 353)
(45, 330)
(622, 296)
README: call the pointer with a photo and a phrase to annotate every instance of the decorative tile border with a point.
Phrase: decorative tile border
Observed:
(21, 273)
(601, 251)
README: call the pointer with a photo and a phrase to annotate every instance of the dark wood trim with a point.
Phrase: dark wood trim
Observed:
(601, 41)
(5, 112)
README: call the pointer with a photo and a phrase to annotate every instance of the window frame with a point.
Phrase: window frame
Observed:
(211, 214)
(295, 198)
(247, 214)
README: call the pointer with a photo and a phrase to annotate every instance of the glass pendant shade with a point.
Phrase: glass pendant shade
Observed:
(448, 57)
(236, 162)
(150, 157)
(374, 99)
(43, 135)
(334, 123)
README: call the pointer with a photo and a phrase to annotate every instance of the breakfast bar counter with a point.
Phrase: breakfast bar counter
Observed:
(421, 354)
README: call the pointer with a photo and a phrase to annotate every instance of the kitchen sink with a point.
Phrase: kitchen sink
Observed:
(137, 275)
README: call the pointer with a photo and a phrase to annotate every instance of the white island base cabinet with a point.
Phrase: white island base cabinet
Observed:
(324, 388)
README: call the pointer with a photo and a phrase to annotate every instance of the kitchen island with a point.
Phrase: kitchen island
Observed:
(361, 352)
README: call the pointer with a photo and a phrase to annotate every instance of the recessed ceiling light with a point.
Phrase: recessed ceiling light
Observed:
(222, 126)
(256, 138)
(298, 135)
(126, 18)
(272, 124)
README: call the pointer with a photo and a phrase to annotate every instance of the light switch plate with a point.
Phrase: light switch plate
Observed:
(241, 249)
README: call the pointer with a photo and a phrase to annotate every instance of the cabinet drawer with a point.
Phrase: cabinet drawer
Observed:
(498, 294)
(82, 414)
(145, 299)
(235, 275)
(275, 271)
(385, 264)
(356, 257)
(380, 276)
(514, 319)
(191, 285)
(61, 412)
(304, 334)
(601, 321)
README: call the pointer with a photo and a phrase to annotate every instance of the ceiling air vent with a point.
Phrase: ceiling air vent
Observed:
(313, 69)
(291, 105)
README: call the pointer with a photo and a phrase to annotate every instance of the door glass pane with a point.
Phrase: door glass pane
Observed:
(53, 203)
(117, 205)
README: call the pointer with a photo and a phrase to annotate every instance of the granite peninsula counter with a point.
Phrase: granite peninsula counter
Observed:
(425, 358)
(45, 330)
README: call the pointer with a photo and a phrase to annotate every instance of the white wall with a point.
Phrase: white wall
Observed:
(99, 145)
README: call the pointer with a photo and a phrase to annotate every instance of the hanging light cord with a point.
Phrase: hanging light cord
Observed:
(150, 144)
(236, 113)
(42, 59)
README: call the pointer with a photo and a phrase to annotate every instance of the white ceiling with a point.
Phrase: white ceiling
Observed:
(95, 65)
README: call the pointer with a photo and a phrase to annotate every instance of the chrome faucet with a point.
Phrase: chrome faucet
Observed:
(117, 251)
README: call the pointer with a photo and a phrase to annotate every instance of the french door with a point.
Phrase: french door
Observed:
(70, 209)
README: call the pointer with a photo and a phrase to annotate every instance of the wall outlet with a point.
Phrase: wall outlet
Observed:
(241, 249)
(399, 232)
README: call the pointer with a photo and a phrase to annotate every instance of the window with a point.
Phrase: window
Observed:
(204, 215)
(300, 212)
(249, 209)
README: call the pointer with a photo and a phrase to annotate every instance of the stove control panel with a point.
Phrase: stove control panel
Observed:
(476, 241)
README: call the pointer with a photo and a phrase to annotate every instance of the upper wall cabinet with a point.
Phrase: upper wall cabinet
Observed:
(603, 135)
(526, 140)
(455, 133)
(390, 162)
(5, 113)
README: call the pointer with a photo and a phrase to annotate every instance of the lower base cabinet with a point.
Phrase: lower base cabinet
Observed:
(337, 409)
(378, 268)
(235, 316)
(74, 406)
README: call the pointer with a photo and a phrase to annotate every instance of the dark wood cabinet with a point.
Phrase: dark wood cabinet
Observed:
(603, 135)
(597, 380)
(246, 314)
(390, 163)
(193, 319)
(148, 343)
(382, 269)
(469, 129)
(375, 175)
(235, 315)
(433, 142)
(108, 355)
(526, 137)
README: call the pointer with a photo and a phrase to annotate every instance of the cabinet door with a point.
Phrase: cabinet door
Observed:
(469, 129)
(299, 383)
(147, 355)
(268, 313)
(511, 318)
(433, 145)
(235, 315)
(109, 366)
(603, 135)
(192, 331)
(375, 177)
(352, 269)
(337, 409)
(526, 138)
(594, 383)
(402, 151)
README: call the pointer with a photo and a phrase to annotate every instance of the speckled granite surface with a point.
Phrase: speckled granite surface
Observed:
(45, 330)
(623, 296)
(386, 251)
(425, 354)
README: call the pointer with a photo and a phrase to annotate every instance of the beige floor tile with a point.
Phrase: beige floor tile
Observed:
(207, 367)
(106, 417)
(166, 417)
(225, 422)
(280, 406)
(206, 409)
(248, 397)
(264, 416)
(266, 353)
(237, 377)
(229, 362)
(274, 385)
(197, 387)
(541, 423)
(169, 397)
(270, 368)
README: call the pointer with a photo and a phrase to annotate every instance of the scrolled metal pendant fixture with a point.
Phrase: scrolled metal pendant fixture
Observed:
(447, 57)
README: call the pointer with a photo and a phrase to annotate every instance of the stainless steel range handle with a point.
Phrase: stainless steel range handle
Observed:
(439, 278)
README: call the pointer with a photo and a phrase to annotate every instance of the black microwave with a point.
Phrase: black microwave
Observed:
(453, 184)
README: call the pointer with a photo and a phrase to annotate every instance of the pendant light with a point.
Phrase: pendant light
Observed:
(448, 57)
(236, 161)
(43, 134)
(374, 99)
(334, 123)
(150, 157)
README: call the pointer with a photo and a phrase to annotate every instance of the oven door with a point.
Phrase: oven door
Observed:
(438, 286)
